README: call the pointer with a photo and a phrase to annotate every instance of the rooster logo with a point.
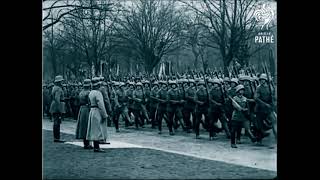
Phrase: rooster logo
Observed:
(264, 16)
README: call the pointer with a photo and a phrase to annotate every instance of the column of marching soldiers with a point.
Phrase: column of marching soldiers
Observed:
(245, 100)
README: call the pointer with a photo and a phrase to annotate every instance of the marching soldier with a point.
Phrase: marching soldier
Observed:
(123, 101)
(216, 109)
(190, 105)
(146, 103)
(115, 105)
(183, 86)
(231, 92)
(264, 99)
(175, 100)
(162, 97)
(249, 94)
(137, 97)
(56, 108)
(129, 94)
(154, 104)
(202, 106)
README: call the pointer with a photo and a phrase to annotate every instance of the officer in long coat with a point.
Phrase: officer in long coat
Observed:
(83, 117)
(56, 108)
(97, 123)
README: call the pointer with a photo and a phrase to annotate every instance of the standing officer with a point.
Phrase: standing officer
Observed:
(97, 127)
(56, 108)
(106, 99)
(116, 107)
(82, 123)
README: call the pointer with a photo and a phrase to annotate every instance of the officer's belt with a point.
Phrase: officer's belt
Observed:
(94, 106)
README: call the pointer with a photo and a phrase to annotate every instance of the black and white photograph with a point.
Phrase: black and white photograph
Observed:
(159, 89)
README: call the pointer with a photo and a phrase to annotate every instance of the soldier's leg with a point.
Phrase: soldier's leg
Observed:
(152, 117)
(224, 123)
(234, 130)
(186, 118)
(145, 114)
(115, 117)
(160, 117)
(211, 119)
(197, 123)
(170, 121)
(136, 118)
(246, 125)
(260, 116)
(56, 125)
(125, 115)
(179, 118)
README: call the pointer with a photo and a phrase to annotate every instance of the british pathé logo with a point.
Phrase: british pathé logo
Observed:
(264, 16)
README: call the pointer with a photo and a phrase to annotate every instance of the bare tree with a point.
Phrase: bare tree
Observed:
(230, 24)
(90, 31)
(56, 10)
(151, 29)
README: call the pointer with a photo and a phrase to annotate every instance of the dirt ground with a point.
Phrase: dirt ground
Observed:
(65, 161)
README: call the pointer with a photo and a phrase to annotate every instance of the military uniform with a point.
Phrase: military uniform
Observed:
(82, 123)
(153, 104)
(238, 116)
(129, 94)
(189, 106)
(123, 101)
(262, 97)
(217, 111)
(174, 97)
(106, 99)
(202, 108)
(249, 94)
(231, 92)
(116, 108)
(162, 109)
(56, 108)
(138, 98)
